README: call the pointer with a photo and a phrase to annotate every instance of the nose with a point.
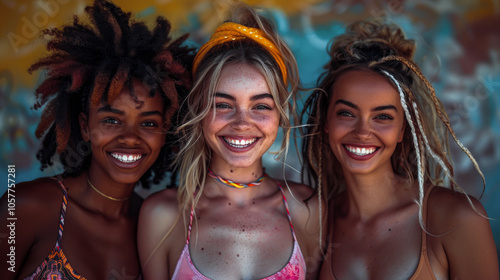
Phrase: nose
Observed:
(362, 129)
(129, 135)
(242, 120)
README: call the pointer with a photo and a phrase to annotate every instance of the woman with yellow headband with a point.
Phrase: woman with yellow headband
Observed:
(229, 219)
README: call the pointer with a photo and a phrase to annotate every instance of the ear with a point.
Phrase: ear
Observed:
(84, 126)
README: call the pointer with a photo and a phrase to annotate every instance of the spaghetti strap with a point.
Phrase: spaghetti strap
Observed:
(63, 211)
(190, 225)
(287, 211)
(56, 265)
(424, 268)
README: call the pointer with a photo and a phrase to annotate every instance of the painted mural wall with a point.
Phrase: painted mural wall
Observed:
(458, 50)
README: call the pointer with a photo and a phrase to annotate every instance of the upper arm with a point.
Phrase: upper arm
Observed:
(157, 217)
(468, 242)
(27, 212)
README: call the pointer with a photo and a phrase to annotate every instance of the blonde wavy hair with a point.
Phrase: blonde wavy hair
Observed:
(424, 153)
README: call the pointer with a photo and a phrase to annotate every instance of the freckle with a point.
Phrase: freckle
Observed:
(229, 203)
(253, 173)
(389, 229)
(243, 230)
(202, 249)
(253, 202)
(220, 253)
(231, 171)
(238, 255)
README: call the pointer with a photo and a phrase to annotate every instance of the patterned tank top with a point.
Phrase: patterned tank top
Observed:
(56, 265)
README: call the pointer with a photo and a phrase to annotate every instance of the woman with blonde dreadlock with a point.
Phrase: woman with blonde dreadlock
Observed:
(229, 219)
(110, 91)
(376, 143)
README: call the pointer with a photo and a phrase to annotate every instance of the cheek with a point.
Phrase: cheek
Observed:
(338, 129)
(390, 133)
(96, 135)
(155, 139)
(269, 123)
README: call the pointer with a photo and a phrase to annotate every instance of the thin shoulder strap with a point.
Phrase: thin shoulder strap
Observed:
(424, 216)
(63, 211)
(287, 210)
(190, 225)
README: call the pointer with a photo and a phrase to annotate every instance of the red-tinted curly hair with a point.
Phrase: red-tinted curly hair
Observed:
(92, 63)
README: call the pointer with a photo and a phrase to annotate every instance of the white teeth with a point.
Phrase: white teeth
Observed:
(360, 151)
(239, 143)
(125, 158)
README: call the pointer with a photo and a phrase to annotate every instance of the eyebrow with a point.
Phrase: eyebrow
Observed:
(261, 96)
(379, 108)
(109, 109)
(225, 95)
(253, 98)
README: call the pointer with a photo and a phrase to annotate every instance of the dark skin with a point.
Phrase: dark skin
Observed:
(99, 238)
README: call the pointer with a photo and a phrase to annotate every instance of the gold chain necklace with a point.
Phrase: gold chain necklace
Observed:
(106, 196)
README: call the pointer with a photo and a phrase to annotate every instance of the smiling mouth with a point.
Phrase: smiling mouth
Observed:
(360, 151)
(239, 143)
(126, 158)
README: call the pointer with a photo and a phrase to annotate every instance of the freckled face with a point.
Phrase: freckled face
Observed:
(125, 140)
(244, 121)
(365, 121)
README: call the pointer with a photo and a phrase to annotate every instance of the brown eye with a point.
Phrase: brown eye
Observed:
(345, 114)
(110, 121)
(149, 124)
(384, 117)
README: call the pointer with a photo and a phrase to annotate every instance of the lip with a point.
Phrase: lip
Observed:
(239, 144)
(361, 147)
(127, 158)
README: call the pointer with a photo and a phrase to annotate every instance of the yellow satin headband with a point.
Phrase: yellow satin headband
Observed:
(231, 31)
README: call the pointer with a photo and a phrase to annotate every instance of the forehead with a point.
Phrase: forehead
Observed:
(241, 78)
(365, 86)
(140, 95)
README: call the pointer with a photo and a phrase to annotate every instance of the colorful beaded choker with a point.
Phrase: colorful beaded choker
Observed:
(232, 184)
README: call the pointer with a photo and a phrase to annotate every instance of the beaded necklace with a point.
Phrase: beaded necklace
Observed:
(232, 184)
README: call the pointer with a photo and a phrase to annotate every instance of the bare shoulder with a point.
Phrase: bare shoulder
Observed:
(450, 208)
(36, 206)
(160, 209)
(462, 230)
(299, 192)
(159, 231)
(37, 196)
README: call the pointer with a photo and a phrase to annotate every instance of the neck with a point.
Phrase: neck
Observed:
(371, 194)
(241, 196)
(99, 199)
(244, 175)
